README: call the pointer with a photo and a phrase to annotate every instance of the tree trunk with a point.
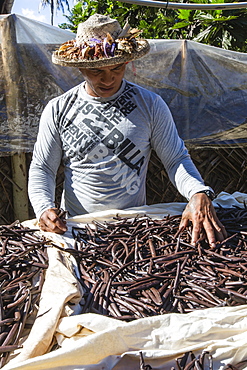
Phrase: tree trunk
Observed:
(12, 76)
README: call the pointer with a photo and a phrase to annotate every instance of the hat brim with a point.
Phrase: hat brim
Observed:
(142, 48)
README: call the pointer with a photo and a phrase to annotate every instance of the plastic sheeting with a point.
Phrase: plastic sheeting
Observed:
(33, 82)
(205, 87)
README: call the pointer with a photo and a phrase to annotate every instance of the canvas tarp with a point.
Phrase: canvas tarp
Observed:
(205, 87)
(90, 341)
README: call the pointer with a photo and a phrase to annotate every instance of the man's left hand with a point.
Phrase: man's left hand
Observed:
(200, 211)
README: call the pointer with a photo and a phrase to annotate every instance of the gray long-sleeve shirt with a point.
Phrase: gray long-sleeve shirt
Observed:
(105, 145)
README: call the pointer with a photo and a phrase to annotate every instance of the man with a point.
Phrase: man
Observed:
(103, 131)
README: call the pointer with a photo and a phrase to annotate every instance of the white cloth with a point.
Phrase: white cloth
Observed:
(114, 344)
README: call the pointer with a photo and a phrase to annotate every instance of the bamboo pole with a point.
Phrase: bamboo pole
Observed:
(12, 75)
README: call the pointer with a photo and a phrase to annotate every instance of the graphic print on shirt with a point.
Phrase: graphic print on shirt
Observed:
(92, 135)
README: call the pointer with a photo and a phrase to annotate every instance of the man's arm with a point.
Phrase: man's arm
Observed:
(185, 176)
(42, 173)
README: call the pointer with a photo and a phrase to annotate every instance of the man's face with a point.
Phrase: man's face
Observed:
(104, 81)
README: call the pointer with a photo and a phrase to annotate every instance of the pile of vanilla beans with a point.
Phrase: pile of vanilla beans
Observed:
(132, 268)
(23, 261)
(129, 268)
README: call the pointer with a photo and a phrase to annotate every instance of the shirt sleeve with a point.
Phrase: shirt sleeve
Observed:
(46, 159)
(172, 152)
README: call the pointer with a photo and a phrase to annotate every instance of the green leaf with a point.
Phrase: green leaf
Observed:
(184, 14)
(179, 25)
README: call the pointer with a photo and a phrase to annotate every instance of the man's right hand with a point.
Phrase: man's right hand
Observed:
(50, 221)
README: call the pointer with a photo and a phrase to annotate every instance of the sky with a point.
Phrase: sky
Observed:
(31, 9)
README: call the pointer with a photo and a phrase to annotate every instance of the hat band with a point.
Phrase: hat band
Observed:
(96, 49)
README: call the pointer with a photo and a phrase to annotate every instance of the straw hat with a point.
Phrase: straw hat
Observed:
(100, 41)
